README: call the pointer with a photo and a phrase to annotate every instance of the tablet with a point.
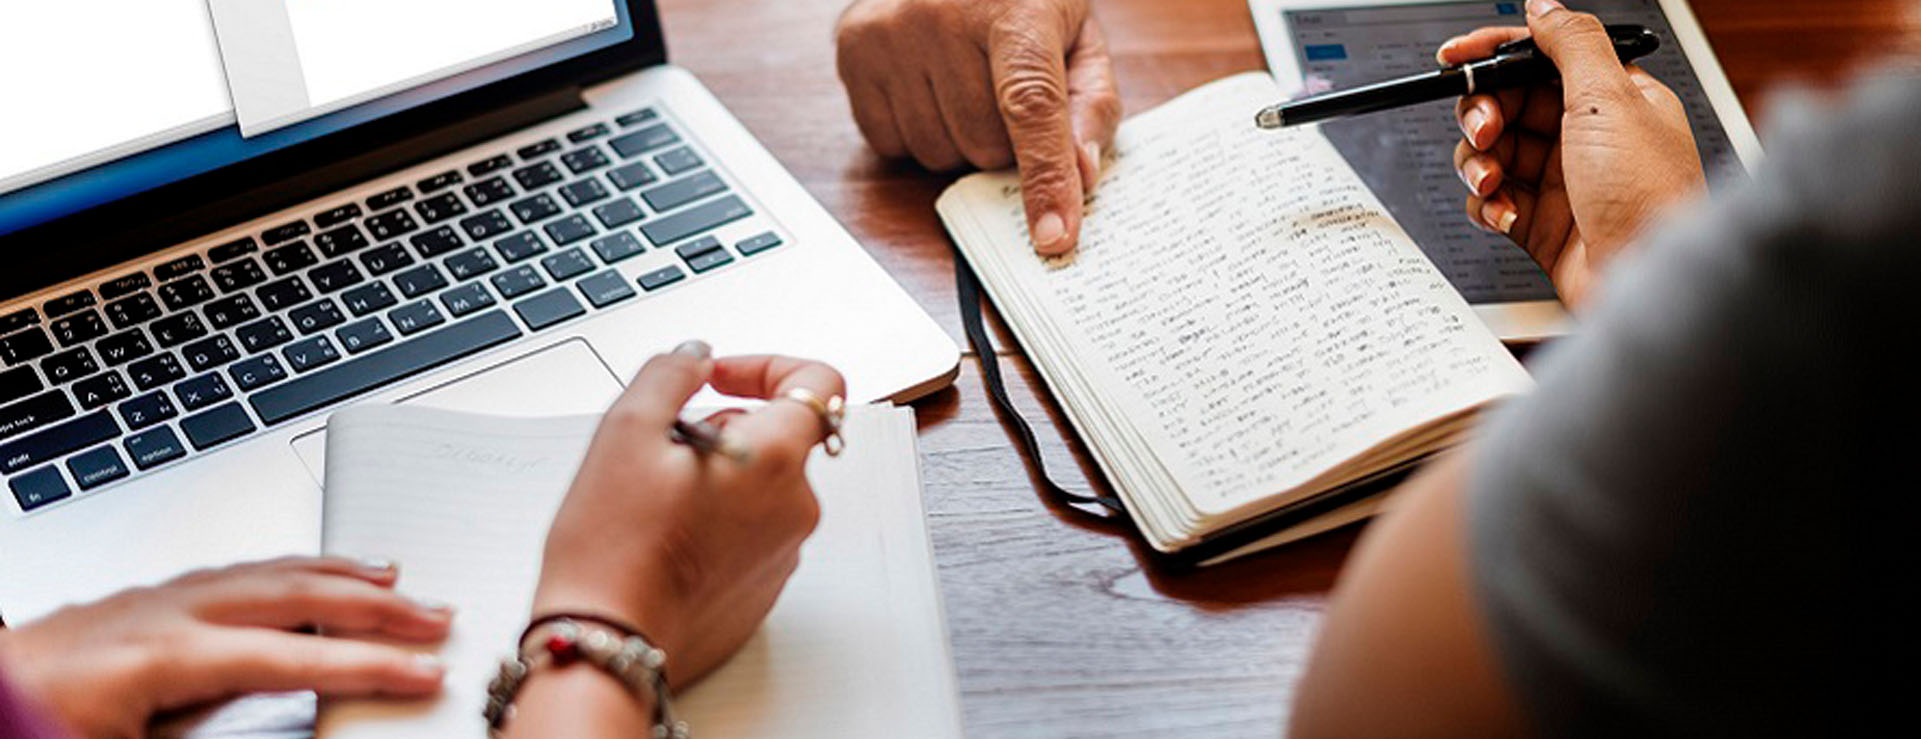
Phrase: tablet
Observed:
(1407, 155)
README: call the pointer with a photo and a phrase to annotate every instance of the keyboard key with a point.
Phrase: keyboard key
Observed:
(470, 264)
(285, 233)
(520, 246)
(124, 347)
(643, 141)
(541, 149)
(709, 261)
(618, 213)
(466, 299)
(100, 390)
(232, 250)
(567, 264)
(231, 311)
(438, 182)
(535, 208)
(440, 207)
(699, 219)
(360, 336)
(257, 372)
(96, 468)
(489, 191)
(150, 449)
(390, 198)
(335, 276)
(437, 242)
(336, 216)
(368, 298)
(290, 258)
(486, 225)
(548, 308)
(205, 390)
(35, 412)
(218, 426)
(758, 244)
(155, 371)
(125, 285)
(57, 441)
(183, 294)
(19, 319)
(344, 240)
(584, 160)
(38, 488)
(307, 354)
(660, 278)
(209, 353)
(132, 311)
(78, 328)
(583, 192)
(517, 282)
(383, 367)
(183, 266)
(683, 191)
(570, 229)
(316, 316)
(419, 281)
(177, 329)
(284, 294)
(537, 176)
(69, 303)
(263, 334)
(605, 289)
(238, 276)
(632, 176)
(589, 133)
(391, 225)
(617, 247)
(69, 365)
(676, 161)
(697, 247)
(18, 383)
(386, 259)
(413, 318)
(637, 117)
(491, 164)
(147, 410)
(26, 345)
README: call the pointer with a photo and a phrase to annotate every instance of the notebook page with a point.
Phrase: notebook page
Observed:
(855, 647)
(1245, 301)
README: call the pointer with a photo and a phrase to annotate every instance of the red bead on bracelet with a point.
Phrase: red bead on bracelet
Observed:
(564, 649)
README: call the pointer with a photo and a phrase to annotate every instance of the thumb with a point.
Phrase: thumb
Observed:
(664, 385)
(1030, 83)
(1579, 45)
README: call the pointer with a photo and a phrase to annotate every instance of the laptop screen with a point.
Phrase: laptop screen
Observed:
(108, 99)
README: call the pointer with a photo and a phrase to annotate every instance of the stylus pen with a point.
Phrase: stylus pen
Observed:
(1517, 63)
(706, 439)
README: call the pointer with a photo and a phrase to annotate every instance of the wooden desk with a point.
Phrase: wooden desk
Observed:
(1061, 627)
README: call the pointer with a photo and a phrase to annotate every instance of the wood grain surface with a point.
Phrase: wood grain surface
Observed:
(1061, 625)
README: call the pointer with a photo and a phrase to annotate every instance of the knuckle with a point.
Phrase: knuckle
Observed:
(1030, 96)
(1573, 23)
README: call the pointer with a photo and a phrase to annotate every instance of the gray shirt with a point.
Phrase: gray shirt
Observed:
(1704, 520)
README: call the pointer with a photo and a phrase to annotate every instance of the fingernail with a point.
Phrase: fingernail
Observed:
(697, 349)
(1473, 173)
(378, 564)
(1538, 8)
(1501, 215)
(428, 665)
(1473, 122)
(1440, 55)
(1093, 150)
(1049, 231)
(436, 606)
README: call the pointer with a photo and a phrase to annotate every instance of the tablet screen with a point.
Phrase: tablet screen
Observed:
(1406, 156)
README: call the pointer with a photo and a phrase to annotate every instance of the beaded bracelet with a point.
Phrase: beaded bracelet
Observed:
(607, 644)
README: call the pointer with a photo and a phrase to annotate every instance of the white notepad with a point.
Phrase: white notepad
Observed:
(856, 646)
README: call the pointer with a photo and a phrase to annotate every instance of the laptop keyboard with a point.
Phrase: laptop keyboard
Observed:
(149, 368)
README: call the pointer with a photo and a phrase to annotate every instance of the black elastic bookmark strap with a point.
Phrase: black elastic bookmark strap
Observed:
(970, 309)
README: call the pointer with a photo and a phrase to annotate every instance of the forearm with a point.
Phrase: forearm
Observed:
(579, 701)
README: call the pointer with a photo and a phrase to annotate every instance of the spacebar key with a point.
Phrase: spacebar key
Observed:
(417, 355)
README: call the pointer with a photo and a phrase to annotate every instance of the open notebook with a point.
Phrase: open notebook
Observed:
(856, 646)
(1244, 330)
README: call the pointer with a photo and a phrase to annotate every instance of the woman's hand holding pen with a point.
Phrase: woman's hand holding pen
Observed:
(1572, 174)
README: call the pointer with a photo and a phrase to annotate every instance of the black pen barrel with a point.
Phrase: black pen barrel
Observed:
(1437, 85)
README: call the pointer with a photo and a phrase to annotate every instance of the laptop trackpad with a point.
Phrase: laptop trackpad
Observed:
(566, 379)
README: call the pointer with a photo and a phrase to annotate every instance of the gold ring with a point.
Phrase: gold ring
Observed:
(832, 412)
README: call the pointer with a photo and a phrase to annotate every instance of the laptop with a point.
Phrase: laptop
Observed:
(225, 219)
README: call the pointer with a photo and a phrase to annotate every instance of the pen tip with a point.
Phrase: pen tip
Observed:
(1269, 118)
